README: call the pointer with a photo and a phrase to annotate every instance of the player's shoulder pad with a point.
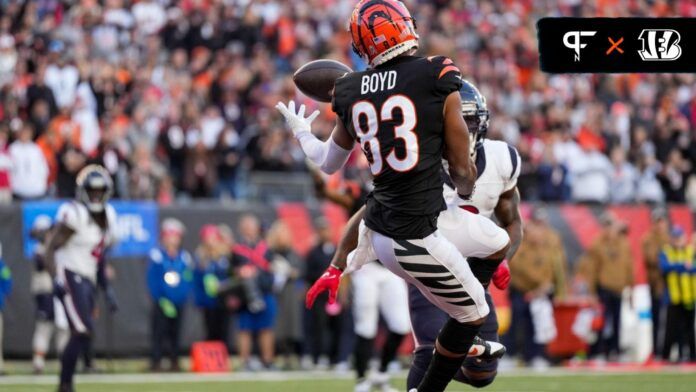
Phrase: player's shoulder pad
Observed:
(69, 214)
(156, 255)
(445, 74)
(506, 157)
(443, 66)
(110, 211)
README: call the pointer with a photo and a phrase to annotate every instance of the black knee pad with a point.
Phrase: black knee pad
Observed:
(457, 337)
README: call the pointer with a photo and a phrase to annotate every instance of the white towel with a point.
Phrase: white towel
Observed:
(542, 317)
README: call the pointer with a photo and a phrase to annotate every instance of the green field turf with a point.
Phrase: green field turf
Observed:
(598, 382)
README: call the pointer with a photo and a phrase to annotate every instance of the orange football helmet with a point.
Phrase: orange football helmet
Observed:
(382, 30)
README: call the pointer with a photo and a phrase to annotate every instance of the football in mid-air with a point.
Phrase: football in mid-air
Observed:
(316, 79)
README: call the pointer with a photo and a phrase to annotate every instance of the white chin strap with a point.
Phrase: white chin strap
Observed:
(394, 51)
(95, 207)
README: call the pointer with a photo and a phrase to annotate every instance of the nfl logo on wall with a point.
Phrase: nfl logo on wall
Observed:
(660, 45)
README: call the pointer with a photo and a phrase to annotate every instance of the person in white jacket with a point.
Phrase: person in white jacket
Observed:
(29, 167)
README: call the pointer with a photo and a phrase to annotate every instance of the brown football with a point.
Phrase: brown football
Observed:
(316, 79)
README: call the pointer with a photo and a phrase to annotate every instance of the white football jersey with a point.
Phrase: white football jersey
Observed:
(498, 166)
(84, 248)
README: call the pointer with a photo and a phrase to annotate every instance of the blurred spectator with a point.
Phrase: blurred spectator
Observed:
(146, 174)
(212, 267)
(553, 179)
(61, 75)
(324, 332)
(5, 289)
(51, 321)
(229, 160)
(623, 177)
(591, 173)
(71, 160)
(673, 177)
(538, 273)
(177, 72)
(29, 168)
(289, 287)
(607, 268)
(40, 100)
(200, 174)
(5, 166)
(648, 188)
(169, 278)
(8, 59)
(254, 261)
(112, 154)
(679, 272)
(652, 244)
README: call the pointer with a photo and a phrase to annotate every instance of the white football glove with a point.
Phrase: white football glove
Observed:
(297, 122)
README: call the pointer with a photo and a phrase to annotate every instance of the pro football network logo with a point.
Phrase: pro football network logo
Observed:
(576, 43)
(660, 45)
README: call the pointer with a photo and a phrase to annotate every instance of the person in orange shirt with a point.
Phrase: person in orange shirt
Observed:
(52, 140)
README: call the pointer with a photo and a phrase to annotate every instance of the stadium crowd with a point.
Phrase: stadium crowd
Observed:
(175, 98)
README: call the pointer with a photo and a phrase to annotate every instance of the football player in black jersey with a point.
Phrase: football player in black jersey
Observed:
(405, 112)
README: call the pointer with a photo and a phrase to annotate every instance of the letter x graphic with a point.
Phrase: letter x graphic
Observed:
(615, 45)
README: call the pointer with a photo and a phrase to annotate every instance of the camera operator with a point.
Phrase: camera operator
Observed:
(258, 313)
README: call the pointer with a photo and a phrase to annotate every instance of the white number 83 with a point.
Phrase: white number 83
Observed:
(367, 133)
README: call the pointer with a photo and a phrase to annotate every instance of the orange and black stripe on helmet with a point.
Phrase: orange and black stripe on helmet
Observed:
(382, 30)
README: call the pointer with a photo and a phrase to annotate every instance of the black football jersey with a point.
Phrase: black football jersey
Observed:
(395, 112)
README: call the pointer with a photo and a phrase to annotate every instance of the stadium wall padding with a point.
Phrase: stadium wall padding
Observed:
(127, 332)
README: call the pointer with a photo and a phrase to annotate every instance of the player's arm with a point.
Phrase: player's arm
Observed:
(330, 155)
(331, 279)
(507, 212)
(349, 240)
(343, 199)
(457, 153)
(57, 238)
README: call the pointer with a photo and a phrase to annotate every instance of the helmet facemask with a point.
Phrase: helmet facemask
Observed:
(94, 188)
(477, 122)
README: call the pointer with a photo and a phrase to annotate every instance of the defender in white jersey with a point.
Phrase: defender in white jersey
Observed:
(466, 224)
(74, 256)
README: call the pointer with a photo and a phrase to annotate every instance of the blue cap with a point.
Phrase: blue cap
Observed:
(677, 231)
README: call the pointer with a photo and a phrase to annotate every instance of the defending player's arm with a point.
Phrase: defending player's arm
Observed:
(331, 279)
(461, 167)
(507, 212)
(343, 199)
(330, 155)
(57, 237)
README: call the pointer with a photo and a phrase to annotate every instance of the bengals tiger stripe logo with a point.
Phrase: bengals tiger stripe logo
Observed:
(378, 25)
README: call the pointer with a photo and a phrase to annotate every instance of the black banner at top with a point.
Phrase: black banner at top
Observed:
(617, 45)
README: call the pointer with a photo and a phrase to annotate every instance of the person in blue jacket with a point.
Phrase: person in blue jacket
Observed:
(212, 267)
(169, 279)
(5, 289)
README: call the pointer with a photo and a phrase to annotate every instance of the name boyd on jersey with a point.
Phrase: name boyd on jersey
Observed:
(379, 81)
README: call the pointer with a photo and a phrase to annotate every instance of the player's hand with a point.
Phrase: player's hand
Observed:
(297, 121)
(111, 301)
(330, 281)
(501, 277)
